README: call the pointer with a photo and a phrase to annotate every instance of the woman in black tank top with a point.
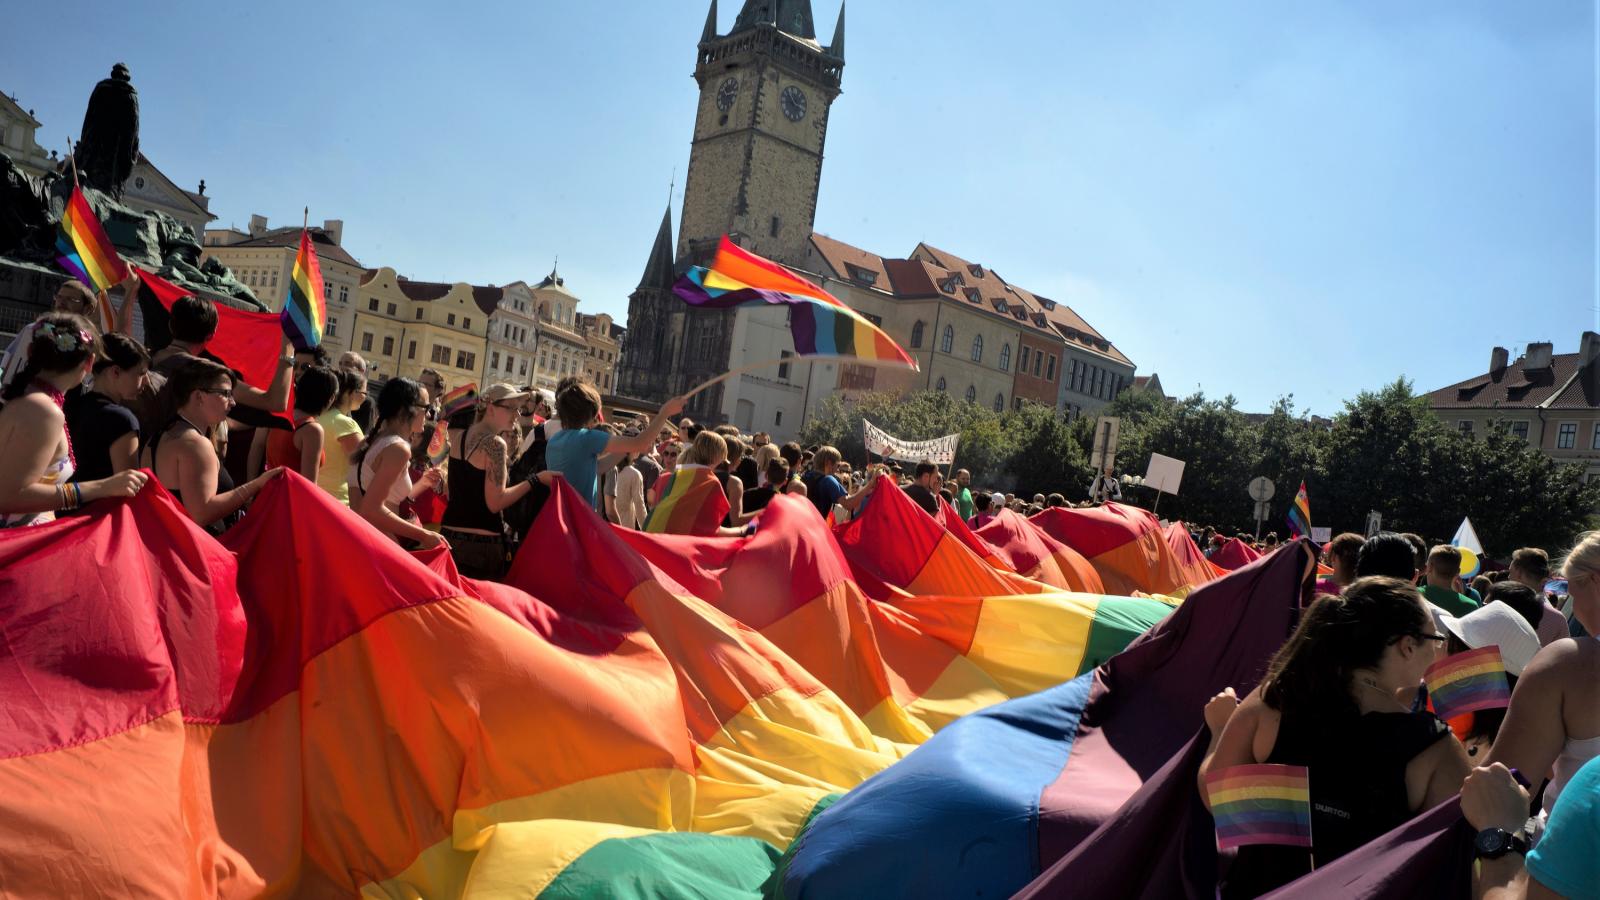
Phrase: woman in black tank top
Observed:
(478, 490)
(197, 398)
(1337, 699)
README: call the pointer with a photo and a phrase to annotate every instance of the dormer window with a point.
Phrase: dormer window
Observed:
(948, 285)
(973, 295)
(865, 276)
(976, 270)
(1049, 305)
(1038, 319)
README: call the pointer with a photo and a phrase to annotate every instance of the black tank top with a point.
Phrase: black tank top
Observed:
(179, 425)
(468, 508)
(1358, 792)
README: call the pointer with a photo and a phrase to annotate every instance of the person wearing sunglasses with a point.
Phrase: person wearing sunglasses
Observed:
(380, 477)
(1337, 698)
(479, 486)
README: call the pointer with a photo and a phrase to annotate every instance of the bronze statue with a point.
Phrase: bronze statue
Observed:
(109, 143)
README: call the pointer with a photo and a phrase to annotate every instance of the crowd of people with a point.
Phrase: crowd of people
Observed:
(87, 415)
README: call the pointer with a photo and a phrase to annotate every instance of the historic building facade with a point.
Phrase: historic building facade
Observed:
(513, 332)
(601, 349)
(754, 168)
(561, 348)
(263, 259)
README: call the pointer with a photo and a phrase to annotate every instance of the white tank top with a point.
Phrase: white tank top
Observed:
(402, 485)
(1572, 758)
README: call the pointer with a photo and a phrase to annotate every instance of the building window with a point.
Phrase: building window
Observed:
(411, 350)
(466, 359)
(777, 417)
(344, 293)
(1037, 359)
(494, 360)
(1005, 357)
(544, 362)
(366, 342)
(388, 346)
(450, 319)
(977, 348)
(1520, 429)
(949, 339)
(1050, 368)
(1596, 442)
(327, 289)
(1567, 436)
(466, 322)
(333, 327)
(372, 303)
(391, 310)
(441, 355)
(524, 367)
(783, 368)
(940, 386)
(1465, 427)
(774, 229)
(972, 393)
(419, 314)
(999, 402)
(1022, 362)
(916, 336)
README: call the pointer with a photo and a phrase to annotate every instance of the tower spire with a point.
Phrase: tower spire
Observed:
(658, 271)
(710, 34)
(836, 48)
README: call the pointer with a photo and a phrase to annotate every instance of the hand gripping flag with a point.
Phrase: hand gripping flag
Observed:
(820, 324)
(305, 312)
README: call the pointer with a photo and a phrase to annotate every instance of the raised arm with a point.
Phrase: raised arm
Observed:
(276, 397)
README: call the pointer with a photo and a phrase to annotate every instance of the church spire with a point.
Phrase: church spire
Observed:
(710, 34)
(836, 48)
(790, 16)
(658, 271)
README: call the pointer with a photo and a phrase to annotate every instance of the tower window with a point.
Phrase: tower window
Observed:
(916, 335)
(774, 229)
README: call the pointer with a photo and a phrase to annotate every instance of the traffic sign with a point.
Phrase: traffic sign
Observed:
(1262, 489)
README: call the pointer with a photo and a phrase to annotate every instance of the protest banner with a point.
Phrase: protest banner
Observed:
(941, 450)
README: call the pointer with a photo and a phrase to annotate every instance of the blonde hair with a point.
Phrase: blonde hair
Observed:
(765, 454)
(708, 449)
(1584, 555)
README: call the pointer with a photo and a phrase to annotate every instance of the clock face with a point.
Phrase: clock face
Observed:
(794, 103)
(727, 93)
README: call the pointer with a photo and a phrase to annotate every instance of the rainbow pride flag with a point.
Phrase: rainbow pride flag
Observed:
(1028, 550)
(1126, 545)
(1261, 804)
(457, 400)
(83, 249)
(305, 311)
(692, 503)
(439, 444)
(820, 324)
(1468, 682)
(1300, 514)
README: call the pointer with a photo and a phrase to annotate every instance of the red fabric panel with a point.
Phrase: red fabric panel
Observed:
(900, 532)
(87, 651)
(249, 342)
(963, 532)
(1234, 554)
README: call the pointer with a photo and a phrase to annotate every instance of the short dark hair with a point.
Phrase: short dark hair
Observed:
(351, 380)
(319, 354)
(791, 454)
(1525, 600)
(117, 349)
(1387, 554)
(1532, 560)
(1056, 500)
(193, 319)
(316, 390)
(1419, 548)
(777, 472)
(577, 403)
(981, 502)
(926, 467)
(1346, 548)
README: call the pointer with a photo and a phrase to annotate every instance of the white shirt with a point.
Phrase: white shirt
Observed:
(630, 497)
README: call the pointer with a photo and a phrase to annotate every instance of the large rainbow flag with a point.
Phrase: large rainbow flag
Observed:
(1027, 549)
(820, 324)
(1126, 545)
(305, 708)
(693, 502)
(1299, 517)
(83, 249)
(305, 310)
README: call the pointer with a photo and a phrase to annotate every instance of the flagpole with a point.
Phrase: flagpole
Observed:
(784, 359)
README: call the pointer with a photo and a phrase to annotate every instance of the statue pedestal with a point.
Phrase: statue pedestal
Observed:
(27, 291)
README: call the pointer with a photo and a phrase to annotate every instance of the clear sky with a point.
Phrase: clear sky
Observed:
(1249, 198)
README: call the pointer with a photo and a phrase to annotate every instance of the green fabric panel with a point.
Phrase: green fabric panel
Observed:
(1117, 621)
(669, 865)
(773, 889)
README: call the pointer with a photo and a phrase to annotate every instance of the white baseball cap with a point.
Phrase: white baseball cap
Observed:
(1498, 625)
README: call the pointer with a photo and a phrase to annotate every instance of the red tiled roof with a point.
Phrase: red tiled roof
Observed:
(1515, 387)
(841, 256)
(487, 298)
(290, 237)
(422, 290)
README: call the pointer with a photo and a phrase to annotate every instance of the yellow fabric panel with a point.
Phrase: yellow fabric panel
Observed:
(962, 688)
(1031, 642)
(953, 569)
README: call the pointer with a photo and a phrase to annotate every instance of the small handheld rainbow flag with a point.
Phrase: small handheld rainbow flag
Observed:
(1261, 804)
(819, 323)
(304, 310)
(439, 444)
(457, 400)
(83, 249)
(1468, 682)
(1300, 513)
(692, 503)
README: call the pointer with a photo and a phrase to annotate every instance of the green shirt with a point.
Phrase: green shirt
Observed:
(1451, 602)
(964, 504)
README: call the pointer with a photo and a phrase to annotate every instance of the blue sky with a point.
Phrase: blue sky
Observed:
(1249, 198)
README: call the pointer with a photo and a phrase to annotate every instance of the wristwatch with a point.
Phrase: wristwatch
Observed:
(1493, 843)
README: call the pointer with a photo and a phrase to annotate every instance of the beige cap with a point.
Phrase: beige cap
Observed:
(495, 393)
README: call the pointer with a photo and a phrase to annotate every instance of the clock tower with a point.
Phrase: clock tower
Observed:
(755, 165)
